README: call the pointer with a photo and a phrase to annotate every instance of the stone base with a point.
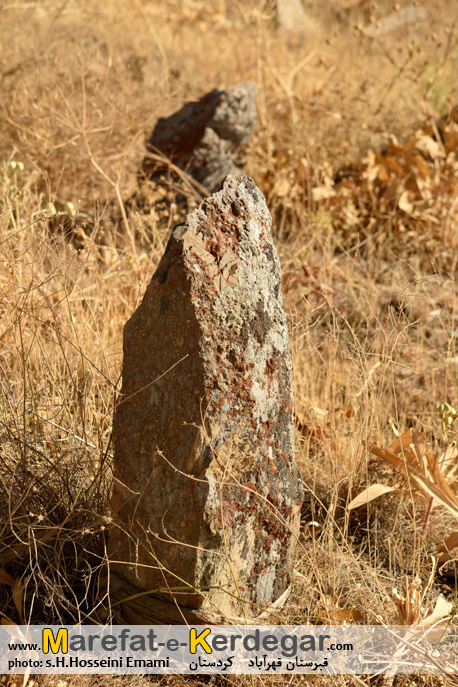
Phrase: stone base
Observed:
(130, 605)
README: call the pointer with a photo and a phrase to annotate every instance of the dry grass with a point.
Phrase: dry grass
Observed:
(369, 277)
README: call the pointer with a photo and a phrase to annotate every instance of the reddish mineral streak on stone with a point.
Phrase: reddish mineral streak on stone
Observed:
(207, 490)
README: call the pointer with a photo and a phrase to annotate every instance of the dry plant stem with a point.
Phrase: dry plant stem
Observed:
(197, 189)
(115, 186)
(161, 49)
(424, 529)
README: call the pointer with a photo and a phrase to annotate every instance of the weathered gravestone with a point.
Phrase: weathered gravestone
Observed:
(205, 138)
(206, 490)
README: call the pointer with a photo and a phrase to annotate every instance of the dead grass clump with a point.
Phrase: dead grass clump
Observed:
(58, 383)
(53, 531)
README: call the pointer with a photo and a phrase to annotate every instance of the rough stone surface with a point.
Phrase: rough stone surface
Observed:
(204, 138)
(204, 466)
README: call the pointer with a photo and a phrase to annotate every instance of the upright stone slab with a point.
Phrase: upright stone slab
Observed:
(206, 490)
(206, 138)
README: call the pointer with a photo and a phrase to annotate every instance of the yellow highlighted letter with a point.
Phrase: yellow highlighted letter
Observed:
(194, 640)
(55, 644)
